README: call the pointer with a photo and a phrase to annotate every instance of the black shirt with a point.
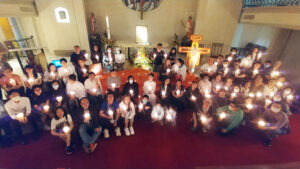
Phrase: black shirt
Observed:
(75, 57)
(159, 57)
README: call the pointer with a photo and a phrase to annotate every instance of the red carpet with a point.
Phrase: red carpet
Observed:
(156, 146)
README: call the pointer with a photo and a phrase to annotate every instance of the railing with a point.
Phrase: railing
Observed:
(269, 3)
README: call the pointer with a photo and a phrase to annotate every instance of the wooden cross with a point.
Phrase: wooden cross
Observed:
(194, 52)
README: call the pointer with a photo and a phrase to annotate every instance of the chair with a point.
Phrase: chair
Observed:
(216, 49)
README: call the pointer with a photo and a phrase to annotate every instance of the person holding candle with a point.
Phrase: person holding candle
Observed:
(270, 89)
(41, 105)
(236, 94)
(233, 117)
(255, 70)
(10, 81)
(172, 55)
(65, 71)
(272, 123)
(203, 117)
(233, 55)
(76, 55)
(158, 113)
(132, 88)
(144, 107)
(19, 110)
(89, 125)
(177, 95)
(31, 78)
(120, 59)
(255, 55)
(193, 96)
(219, 63)
(58, 96)
(239, 73)
(205, 86)
(94, 90)
(209, 68)
(246, 89)
(149, 88)
(247, 62)
(179, 69)
(62, 126)
(82, 70)
(96, 55)
(114, 83)
(229, 84)
(226, 69)
(75, 91)
(158, 55)
(217, 83)
(170, 116)
(165, 70)
(50, 75)
(221, 99)
(127, 112)
(109, 58)
(165, 92)
(267, 69)
(109, 115)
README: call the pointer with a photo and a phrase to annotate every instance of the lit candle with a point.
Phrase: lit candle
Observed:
(249, 106)
(113, 85)
(226, 88)
(261, 123)
(66, 129)
(233, 94)
(110, 112)
(87, 115)
(222, 115)
(226, 71)
(86, 55)
(207, 95)
(237, 72)
(178, 92)
(251, 95)
(149, 88)
(52, 74)
(168, 70)
(259, 55)
(290, 97)
(229, 59)
(30, 80)
(216, 63)
(209, 69)
(275, 74)
(154, 55)
(268, 102)
(163, 93)
(203, 119)
(97, 57)
(271, 94)
(169, 116)
(131, 91)
(94, 90)
(255, 72)
(165, 55)
(141, 106)
(46, 107)
(72, 93)
(279, 84)
(20, 116)
(258, 94)
(12, 82)
(155, 115)
(193, 98)
(124, 107)
(59, 98)
(84, 70)
(218, 87)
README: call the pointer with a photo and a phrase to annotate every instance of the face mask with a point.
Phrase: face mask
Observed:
(55, 87)
(16, 98)
(233, 53)
(236, 90)
(145, 101)
(267, 66)
(130, 81)
(225, 65)
(275, 109)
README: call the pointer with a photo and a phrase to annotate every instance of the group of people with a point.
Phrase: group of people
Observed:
(70, 99)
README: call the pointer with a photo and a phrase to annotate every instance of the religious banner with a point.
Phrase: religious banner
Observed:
(194, 52)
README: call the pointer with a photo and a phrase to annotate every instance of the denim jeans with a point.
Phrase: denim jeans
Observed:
(88, 135)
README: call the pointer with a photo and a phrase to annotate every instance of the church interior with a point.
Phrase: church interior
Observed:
(150, 84)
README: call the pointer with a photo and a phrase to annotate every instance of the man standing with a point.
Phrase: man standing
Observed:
(158, 57)
(76, 55)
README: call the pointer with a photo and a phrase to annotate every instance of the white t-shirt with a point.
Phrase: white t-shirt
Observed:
(124, 111)
(205, 86)
(78, 88)
(149, 86)
(92, 84)
(23, 106)
(33, 81)
(120, 58)
(158, 112)
(62, 72)
(179, 70)
(55, 123)
(247, 62)
(209, 69)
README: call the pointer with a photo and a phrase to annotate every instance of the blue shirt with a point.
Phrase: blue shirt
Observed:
(114, 106)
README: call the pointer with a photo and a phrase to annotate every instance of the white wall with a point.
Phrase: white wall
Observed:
(162, 22)
(290, 58)
(253, 33)
(62, 36)
(217, 21)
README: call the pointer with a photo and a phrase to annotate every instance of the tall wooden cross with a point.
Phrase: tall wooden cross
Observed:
(194, 52)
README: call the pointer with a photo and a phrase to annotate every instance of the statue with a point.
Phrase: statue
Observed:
(188, 27)
(93, 24)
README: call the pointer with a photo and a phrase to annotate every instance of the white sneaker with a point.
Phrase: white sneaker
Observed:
(126, 132)
(117, 130)
(106, 133)
(131, 130)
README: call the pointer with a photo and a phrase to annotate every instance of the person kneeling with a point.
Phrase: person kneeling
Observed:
(203, 117)
(127, 111)
(109, 115)
(89, 128)
(158, 113)
(274, 122)
(61, 126)
(230, 117)
(145, 107)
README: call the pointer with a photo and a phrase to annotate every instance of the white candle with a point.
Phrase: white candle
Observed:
(141, 106)
(261, 123)
(66, 129)
(279, 84)
(268, 102)
(255, 72)
(168, 70)
(249, 106)
(84, 70)
(290, 97)
(193, 97)
(30, 80)
(207, 95)
(72, 93)
(113, 85)
(169, 116)
(110, 112)
(155, 115)
(237, 72)
(218, 87)
(233, 94)
(275, 74)
(86, 55)
(131, 91)
(259, 55)
(12, 82)
(163, 93)
(59, 98)
(94, 90)
(97, 57)
(178, 92)
(165, 55)
(203, 119)
(87, 115)
(258, 94)
(229, 59)
(222, 115)
(46, 107)
(20, 116)
(154, 55)
(251, 94)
